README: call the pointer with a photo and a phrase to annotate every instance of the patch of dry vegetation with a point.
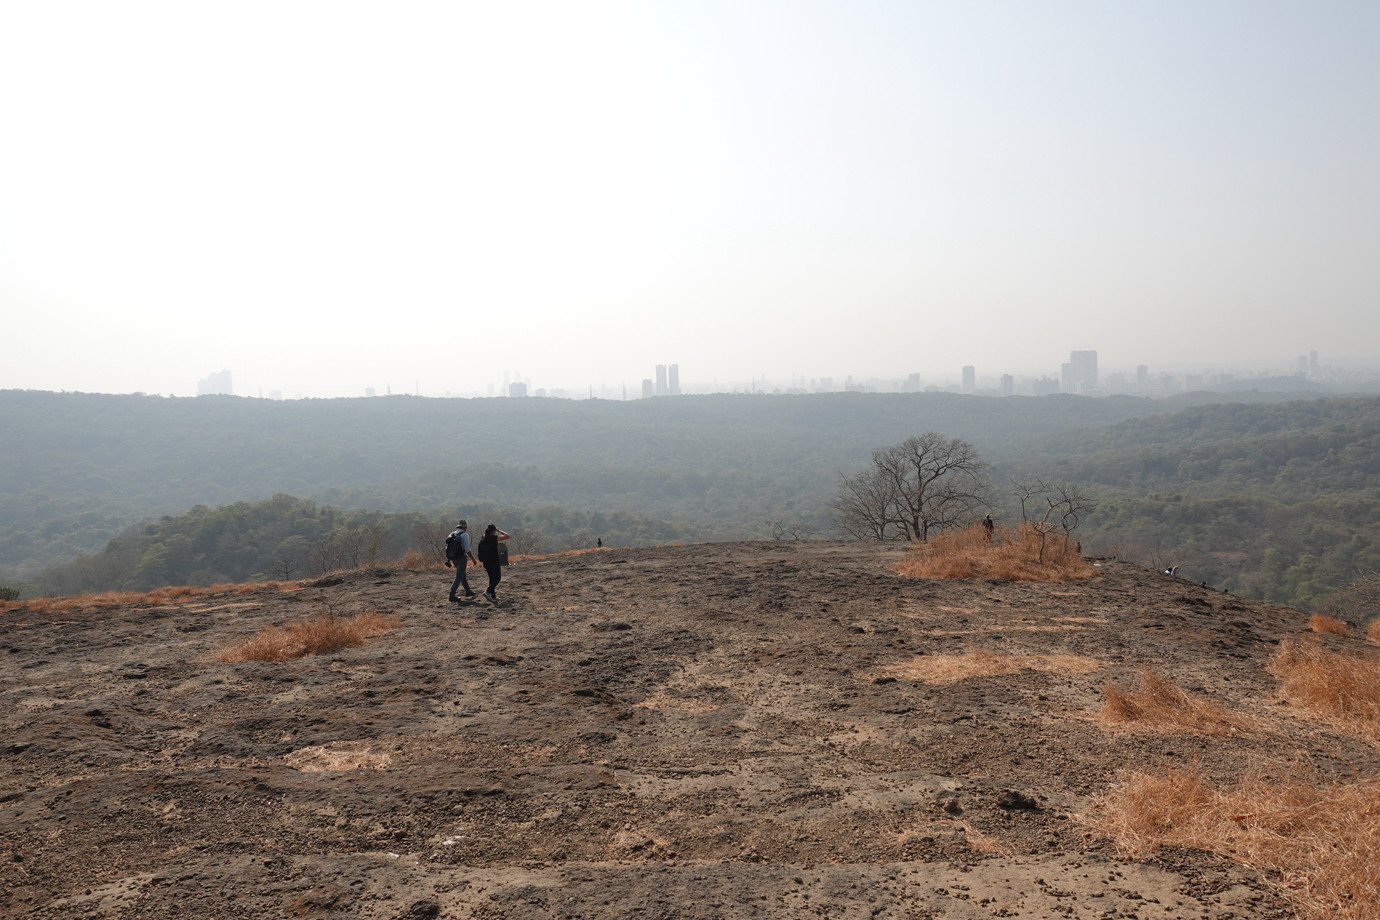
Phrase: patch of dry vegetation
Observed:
(1373, 631)
(1012, 554)
(1158, 704)
(946, 669)
(1320, 623)
(155, 598)
(318, 636)
(1319, 841)
(1343, 689)
(414, 560)
(338, 755)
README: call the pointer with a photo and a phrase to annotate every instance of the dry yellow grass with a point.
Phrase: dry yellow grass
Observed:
(317, 636)
(337, 756)
(414, 560)
(156, 597)
(946, 669)
(1343, 689)
(1321, 623)
(1014, 554)
(1320, 842)
(1159, 705)
(1373, 631)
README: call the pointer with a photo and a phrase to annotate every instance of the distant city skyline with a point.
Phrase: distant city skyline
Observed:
(419, 198)
(1080, 375)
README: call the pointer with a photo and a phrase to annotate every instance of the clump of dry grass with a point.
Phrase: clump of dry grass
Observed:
(414, 560)
(1320, 841)
(1373, 631)
(1160, 705)
(318, 636)
(946, 669)
(1321, 623)
(156, 597)
(1013, 554)
(1344, 689)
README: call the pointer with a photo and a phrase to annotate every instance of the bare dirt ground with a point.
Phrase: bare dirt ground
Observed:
(715, 731)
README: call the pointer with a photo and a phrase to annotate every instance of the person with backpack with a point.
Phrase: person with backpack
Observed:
(458, 554)
(488, 557)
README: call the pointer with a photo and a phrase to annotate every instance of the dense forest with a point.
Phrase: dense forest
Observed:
(1262, 495)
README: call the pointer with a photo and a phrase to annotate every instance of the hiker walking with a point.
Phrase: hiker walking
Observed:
(488, 557)
(458, 554)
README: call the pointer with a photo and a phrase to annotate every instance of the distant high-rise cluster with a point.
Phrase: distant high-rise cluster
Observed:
(667, 381)
(1080, 374)
(217, 384)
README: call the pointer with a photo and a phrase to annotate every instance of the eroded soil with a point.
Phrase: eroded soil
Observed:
(713, 731)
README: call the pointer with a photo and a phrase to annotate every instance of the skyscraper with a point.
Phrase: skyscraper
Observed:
(215, 384)
(673, 379)
(1080, 374)
(661, 380)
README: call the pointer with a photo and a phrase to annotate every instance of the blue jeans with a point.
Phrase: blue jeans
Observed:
(460, 580)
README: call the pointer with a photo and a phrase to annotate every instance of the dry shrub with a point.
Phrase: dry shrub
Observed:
(414, 560)
(1342, 688)
(1158, 705)
(338, 755)
(1373, 631)
(1014, 555)
(318, 636)
(1320, 841)
(946, 669)
(1321, 623)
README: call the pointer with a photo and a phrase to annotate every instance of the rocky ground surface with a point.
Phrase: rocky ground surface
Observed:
(716, 731)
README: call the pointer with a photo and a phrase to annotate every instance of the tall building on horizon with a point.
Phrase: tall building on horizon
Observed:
(1080, 374)
(673, 380)
(661, 380)
(217, 384)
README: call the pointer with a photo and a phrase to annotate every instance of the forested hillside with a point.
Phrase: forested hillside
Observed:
(1266, 497)
(1273, 501)
(77, 469)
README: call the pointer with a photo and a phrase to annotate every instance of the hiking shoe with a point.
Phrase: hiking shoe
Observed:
(469, 593)
(454, 599)
(490, 595)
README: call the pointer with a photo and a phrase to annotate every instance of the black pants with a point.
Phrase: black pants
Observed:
(495, 574)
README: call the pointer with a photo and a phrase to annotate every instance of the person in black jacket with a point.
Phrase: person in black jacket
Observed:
(488, 557)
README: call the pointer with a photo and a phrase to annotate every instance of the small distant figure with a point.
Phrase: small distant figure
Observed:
(987, 526)
(599, 543)
(458, 554)
(1172, 571)
(488, 557)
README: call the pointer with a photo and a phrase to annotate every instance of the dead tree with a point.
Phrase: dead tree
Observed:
(922, 485)
(1050, 508)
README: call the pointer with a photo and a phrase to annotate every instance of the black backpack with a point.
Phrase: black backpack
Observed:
(453, 547)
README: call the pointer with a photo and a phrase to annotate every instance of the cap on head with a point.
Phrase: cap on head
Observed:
(462, 524)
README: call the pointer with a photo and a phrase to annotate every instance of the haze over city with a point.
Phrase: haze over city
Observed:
(436, 198)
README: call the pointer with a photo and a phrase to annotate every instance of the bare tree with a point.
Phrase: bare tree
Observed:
(1358, 602)
(864, 508)
(791, 530)
(430, 536)
(924, 484)
(1051, 508)
(526, 541)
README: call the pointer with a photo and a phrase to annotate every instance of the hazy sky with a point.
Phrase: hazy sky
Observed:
(328, 196)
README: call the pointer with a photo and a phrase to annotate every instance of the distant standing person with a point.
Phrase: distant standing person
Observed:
(458, 553)
(488, 557)
(987, 526)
